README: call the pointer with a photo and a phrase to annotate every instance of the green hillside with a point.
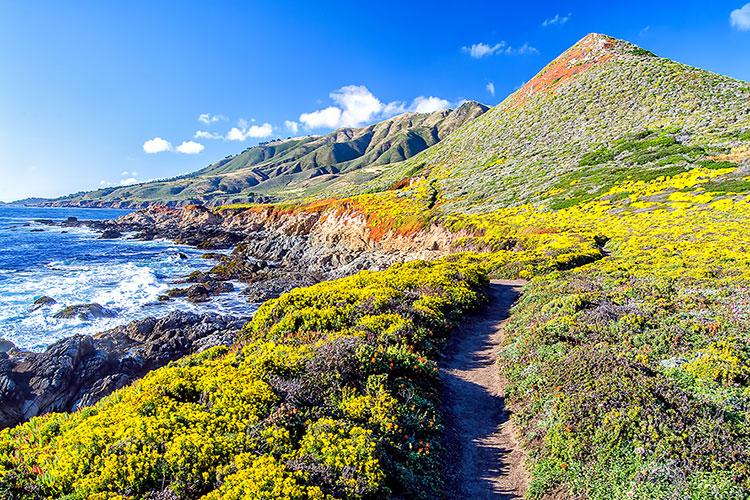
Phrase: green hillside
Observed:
(603, 112)
(283, 169)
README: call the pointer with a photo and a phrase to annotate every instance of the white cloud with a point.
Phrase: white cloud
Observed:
(479, 50)
(357, 106)
(202, 134)
(558, 19)
(291, 126)
(329, 117)
(209, 119)
(105, 183)
(490, 88)
(254, 131)
(190, 148)
(126, 173)
(156, 145)
(523, 50)
(394, 108)
(740, 18)
(357, 103)
(429, 104)
(129, 181)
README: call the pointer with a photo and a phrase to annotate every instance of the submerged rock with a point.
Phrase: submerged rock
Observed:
(80, 370)
(85, 312)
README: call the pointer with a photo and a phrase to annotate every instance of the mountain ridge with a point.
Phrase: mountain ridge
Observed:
(262, 172)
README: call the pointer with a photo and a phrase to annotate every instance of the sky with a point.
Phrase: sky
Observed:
(111, 93)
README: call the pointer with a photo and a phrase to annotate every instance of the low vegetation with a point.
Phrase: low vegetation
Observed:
(330, 392)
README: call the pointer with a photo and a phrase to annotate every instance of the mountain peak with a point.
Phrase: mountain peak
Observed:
(592, 50)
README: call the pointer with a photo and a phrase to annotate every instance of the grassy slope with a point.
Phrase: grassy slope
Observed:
(530, 147)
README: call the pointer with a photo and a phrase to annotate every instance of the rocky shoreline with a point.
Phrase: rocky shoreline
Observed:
(80, 370)
(271, 254)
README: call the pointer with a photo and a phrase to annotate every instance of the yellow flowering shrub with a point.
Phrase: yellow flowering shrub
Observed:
(313, 402)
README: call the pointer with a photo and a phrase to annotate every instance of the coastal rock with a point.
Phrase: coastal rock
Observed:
(110, 234)
(71, 222)
(197, 293)
(85, 312)
(200, 292)
(43, 301)
(80, 370)
(275, 284)
(6, 345)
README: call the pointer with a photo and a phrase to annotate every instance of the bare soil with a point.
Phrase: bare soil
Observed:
(483, 458)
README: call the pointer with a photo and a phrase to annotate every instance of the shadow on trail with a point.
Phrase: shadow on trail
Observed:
(482, 458)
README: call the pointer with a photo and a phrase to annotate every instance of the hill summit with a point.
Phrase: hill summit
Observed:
(602, 112)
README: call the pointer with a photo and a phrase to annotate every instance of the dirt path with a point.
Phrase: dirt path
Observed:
(483, 458)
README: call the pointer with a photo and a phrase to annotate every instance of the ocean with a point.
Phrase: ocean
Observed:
(73, 266)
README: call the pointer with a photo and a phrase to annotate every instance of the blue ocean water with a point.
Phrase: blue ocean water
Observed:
(73, 266)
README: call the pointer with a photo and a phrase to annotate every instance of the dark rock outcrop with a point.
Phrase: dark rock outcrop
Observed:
(85, 312)
(43, 301)
(79, 370)
(110, 234)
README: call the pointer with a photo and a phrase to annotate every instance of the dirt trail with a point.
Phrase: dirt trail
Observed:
(483, 458)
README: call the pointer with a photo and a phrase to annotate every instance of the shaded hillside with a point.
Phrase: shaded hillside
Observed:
(284, 168)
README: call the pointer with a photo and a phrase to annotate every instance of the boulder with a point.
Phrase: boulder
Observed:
(110, 234)
(79, 370)
(198, 293)
(43, 301)
(85, 312)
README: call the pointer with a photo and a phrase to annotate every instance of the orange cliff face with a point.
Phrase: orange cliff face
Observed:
(592, 50)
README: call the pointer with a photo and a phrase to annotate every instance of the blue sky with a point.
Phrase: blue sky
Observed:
(87, 89)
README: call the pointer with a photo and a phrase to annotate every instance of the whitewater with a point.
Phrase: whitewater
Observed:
(74, 266)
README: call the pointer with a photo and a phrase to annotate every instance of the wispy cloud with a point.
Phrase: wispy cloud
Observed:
(739, 19)
(156, 145)
(558, 20)
(481, 49)
(209, 119)
(202, 134)
(490, 88)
